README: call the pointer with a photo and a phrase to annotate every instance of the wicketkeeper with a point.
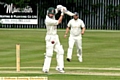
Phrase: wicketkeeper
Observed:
(77, 30)
(52, 41)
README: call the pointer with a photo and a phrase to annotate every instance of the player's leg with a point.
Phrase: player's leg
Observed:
(79, 49)
(48, 56)
(70, 48)
(59, 56)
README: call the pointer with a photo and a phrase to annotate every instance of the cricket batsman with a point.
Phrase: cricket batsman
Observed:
(52, 41)
(77, 30)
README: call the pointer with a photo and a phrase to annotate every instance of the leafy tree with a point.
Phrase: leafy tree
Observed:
(19, 3)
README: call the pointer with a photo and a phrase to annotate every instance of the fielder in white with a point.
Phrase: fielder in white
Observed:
(52, 41)
(77, 29)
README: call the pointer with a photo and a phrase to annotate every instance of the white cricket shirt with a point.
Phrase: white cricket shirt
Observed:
(51, 25)
(76, 26)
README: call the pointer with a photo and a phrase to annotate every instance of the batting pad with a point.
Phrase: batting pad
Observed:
(23, 78)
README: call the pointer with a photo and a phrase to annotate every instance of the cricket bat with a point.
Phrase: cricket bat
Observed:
(69, 13)
(64, 9)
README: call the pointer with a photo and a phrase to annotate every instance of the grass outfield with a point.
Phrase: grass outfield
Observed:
(101, 55)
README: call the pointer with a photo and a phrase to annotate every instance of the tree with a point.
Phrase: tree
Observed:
(19, 3)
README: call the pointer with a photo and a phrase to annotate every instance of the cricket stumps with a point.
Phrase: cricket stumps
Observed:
(17, 57)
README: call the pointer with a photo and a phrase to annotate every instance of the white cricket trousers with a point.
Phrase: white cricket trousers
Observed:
(77, 40)
(53, 44)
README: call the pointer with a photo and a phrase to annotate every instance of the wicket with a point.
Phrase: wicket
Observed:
(17, 57)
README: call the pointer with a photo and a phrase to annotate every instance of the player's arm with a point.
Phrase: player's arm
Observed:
(83, 30)
(60, 18)
(67, 29)
(66, 32)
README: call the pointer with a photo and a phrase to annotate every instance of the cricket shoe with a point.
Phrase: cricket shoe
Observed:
(45, 71)
(60, 70)
(68, 59)
(78, 55)
(80, 58)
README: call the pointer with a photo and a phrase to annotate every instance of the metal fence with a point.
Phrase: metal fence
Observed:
(96, 14)
(103, 14)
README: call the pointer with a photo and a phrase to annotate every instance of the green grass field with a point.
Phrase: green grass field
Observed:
(101, 55)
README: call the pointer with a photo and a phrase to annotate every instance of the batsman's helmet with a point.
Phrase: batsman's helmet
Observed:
(51, 10)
